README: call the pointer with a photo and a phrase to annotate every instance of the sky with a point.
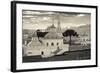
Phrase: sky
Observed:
(42, 19)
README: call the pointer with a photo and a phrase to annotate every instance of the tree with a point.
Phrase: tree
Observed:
(38, 32)
(70, 33)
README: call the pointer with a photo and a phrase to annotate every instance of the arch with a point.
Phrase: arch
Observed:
(47, 44)
(57, 44)
(42, 53)
(52, 44)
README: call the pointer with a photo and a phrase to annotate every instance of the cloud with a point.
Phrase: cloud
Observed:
(43, 19)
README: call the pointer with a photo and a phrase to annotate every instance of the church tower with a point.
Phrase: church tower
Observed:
(52, 27)
(58, 23)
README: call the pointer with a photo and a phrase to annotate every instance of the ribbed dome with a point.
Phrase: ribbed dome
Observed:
(53, 35)
(52, 26)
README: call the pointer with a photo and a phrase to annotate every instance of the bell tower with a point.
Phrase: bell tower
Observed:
(58, 22)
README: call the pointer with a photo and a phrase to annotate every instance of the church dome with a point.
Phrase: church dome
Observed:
(51, 28)
(53, 35)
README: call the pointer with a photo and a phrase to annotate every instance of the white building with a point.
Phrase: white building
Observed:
(49, 45)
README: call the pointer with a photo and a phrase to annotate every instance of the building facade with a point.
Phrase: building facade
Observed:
(49, 45)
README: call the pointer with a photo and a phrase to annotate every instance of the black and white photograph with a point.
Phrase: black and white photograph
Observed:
(48, 36)
(55, 36)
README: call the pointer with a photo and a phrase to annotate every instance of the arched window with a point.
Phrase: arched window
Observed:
(47, 44)
(57, 43)
(42, 53)
(52, 44)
